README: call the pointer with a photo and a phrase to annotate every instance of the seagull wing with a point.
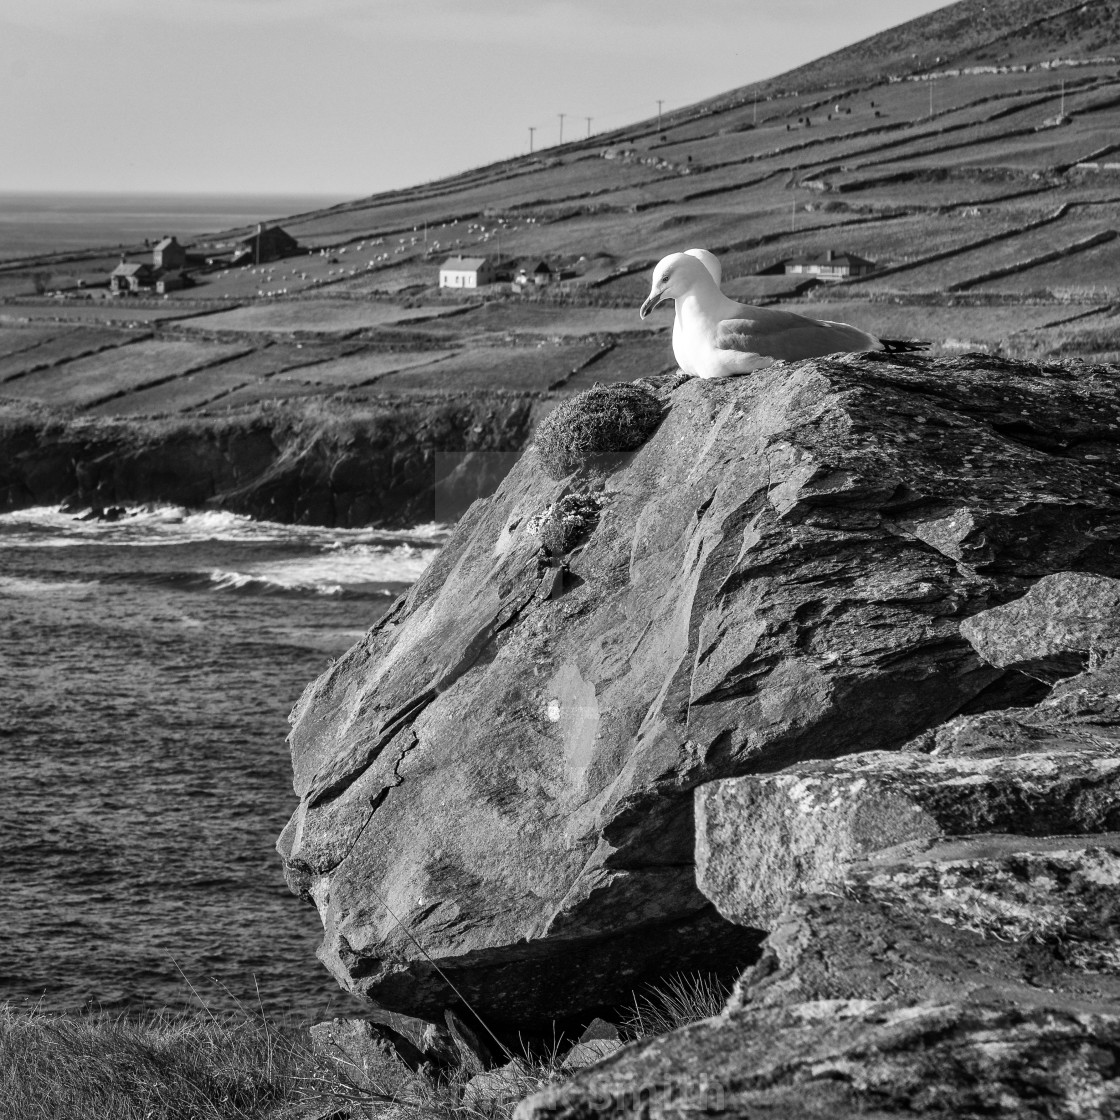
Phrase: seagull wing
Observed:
(788, 337)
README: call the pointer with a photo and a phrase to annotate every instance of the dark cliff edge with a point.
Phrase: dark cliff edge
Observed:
(393, 462)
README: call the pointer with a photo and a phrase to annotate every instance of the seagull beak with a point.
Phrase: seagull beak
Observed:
(654, 299)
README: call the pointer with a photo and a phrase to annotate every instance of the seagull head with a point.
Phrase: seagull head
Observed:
(710, 261)
(675, 276)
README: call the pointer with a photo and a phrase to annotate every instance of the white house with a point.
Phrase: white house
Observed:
(465, 272)
(830, 266)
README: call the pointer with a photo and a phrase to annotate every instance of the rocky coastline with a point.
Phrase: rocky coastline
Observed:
(816, 689)
(395, 463)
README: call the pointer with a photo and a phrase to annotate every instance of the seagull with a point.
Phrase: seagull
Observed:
(710, 261)
(714, 336)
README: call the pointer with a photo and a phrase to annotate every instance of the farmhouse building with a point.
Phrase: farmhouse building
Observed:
(131, 277)
(168, 253)
(170, 281)
(829, 266)
(465, 272)
(267, 244)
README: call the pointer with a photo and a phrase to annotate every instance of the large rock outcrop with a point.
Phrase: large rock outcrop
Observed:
(498, 780)
(951, 925)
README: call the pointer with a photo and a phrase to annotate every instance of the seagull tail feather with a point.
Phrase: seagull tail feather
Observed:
(903, 345)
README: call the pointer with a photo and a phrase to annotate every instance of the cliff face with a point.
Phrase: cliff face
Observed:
(502, 772)
(400, 463)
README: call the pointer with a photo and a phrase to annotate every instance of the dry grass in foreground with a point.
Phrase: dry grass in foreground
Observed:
(100, 1066)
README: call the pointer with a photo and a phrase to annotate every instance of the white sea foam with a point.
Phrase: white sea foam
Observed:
(27, 588)
(46, 527)
(329, 572)
(247, 582)
(226, 552)
(363, 563)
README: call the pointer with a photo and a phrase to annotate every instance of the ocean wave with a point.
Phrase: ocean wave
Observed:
(244, 583)
(48, 527)
(25, 587)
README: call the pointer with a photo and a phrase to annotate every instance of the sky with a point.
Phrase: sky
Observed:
(351, 97)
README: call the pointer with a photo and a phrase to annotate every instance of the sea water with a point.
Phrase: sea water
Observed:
(147, 669)
(47, 222)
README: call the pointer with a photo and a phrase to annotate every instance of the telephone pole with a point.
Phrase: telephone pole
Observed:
(561, 116)
(931, 97)
(589, 120)
(532, 129)
(659, 104)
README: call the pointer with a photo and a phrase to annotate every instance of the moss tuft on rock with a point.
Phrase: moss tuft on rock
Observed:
(605, 419)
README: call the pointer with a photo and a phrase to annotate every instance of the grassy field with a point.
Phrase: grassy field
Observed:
(117, 372)
(893, 150)
(503, 368)
(92, 311)
(15, 339)
(950, 327)
(1091, 275)
(318, 315)
(62, 346)
(551, 320)
(199, 388)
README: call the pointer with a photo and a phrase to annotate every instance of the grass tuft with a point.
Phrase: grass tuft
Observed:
(674, 1003)
(604, 420)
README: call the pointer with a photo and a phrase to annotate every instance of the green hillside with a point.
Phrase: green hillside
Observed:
(973, 155)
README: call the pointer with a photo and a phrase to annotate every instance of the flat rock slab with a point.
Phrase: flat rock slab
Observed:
(836, 1059)
(1052, 631)
(498, 778)
(763, 841)
(1009, 920)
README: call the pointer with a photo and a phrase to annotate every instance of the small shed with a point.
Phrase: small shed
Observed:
(168, 253)
(830, 265)
(465, 272)
(535, 271)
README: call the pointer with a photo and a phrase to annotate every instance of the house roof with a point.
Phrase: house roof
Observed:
(166, 243)
(830, 258)
(273, 233)
(535, 264)
(465, 264)
(124, 269)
